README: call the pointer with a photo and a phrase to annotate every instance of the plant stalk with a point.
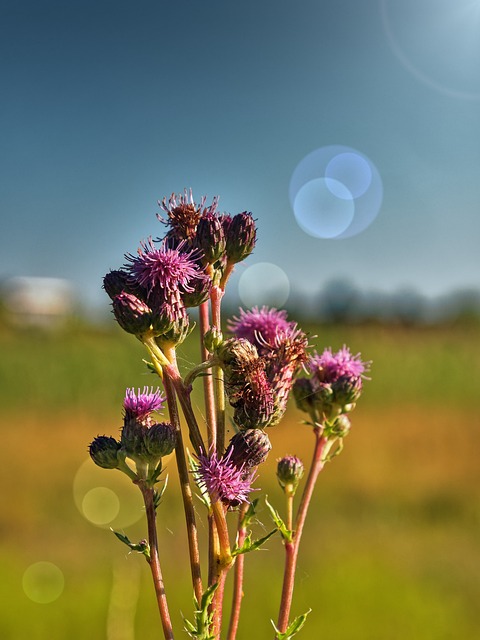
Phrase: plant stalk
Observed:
(238, 575)
(322, 445)
(154, 561)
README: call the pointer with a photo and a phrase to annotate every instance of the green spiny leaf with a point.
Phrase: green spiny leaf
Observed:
(141, 547)
(287, 534)
(292, 629)
(203, 619)
(250, 545)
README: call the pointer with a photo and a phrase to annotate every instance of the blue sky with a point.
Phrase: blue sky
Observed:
(108, 106)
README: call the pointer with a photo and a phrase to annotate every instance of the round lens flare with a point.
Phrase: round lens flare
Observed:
(436, 41)
(335, 192)
(264, 284)
(100, 505)
(324, 208)
(106, 497)
(43, 582)
(348, 169)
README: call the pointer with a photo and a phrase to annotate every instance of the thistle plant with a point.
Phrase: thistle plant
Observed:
(250, 366)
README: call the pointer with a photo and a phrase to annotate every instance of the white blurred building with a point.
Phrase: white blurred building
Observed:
(41, 302)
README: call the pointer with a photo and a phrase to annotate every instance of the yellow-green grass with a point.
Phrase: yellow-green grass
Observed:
(391, 548)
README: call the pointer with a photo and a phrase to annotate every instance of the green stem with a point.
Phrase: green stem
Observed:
(291, 548)
(154, 561)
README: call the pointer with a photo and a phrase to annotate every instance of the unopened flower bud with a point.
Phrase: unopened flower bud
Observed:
(160, 439)
(213, 339)
(115, 282)
(346, 390)
(103, 451)
(132, 314)
(303, 394)
(248, 448)
(240, 236)
(339, 427)
(200, 293)
(133, 439)
(290, 471)
(210, 237)
(236, 353)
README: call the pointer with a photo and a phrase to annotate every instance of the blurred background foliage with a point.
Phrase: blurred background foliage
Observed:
(391, 547)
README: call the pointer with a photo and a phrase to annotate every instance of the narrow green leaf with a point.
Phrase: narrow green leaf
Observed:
(248, 545)
(292, 629)
(141, 547)
(286, 533)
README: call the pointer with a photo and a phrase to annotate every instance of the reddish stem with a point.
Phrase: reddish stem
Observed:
(154, 562)
(291, 548)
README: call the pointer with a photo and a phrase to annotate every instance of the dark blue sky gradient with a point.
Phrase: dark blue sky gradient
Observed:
(108, 106)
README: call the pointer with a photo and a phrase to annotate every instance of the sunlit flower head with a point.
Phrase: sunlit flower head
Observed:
(223, 480)
(329, 367)
(262, 327)
(141, 404)
(164, 268)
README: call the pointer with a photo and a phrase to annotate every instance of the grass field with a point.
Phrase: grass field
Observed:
(392, 545)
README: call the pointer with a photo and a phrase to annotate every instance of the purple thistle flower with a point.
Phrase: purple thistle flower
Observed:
(139, 406)
(263, 327)
(330, 367)
(223, 480)
(164, 268)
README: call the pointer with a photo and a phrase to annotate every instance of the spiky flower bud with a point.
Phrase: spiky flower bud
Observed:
(290, 471)
(133, 439)
(236, 353)
(160, 439)
(103, 451)
(303, 394)
(115, 282)
(240, 237)
(201, 286)
(213, 339)
(210, 237)
(248, 448)
(132, 314)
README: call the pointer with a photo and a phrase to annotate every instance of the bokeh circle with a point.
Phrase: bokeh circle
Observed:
(324, 208)
(264, 283)
(43, 582)
(335, 192)
(437, 41)
(106, 497)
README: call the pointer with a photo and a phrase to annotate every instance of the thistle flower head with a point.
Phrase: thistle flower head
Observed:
(329, 367)
(164, 268)
(264, 327)
(140, 405)
(223, 480)
(183, 214)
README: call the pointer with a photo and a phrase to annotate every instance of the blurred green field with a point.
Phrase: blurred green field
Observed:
(392, 545)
